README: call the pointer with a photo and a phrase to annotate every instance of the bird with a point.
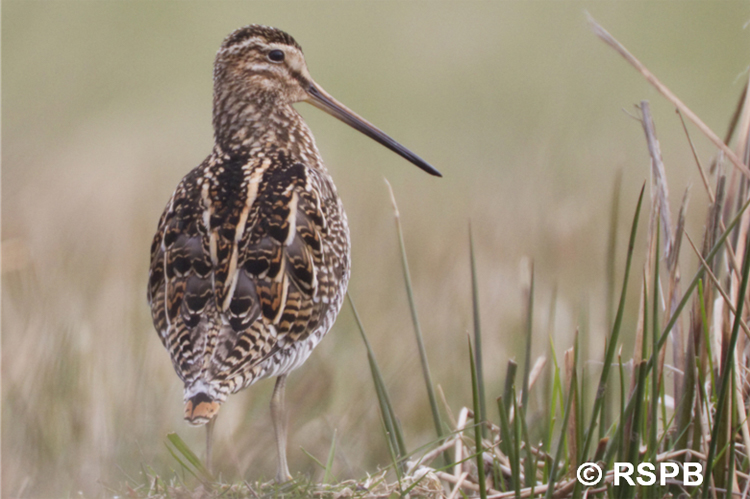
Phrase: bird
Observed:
(251, 258)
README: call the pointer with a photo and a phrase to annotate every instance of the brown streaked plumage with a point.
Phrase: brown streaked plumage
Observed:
(250, 262)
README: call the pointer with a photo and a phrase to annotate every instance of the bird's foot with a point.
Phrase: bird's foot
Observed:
(283, 476)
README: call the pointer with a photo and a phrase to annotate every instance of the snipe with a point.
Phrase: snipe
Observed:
(250, 262)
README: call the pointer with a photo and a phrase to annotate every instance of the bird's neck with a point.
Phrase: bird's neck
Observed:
(260, 123)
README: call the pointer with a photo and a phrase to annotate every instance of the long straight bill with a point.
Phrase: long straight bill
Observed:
(322, 100)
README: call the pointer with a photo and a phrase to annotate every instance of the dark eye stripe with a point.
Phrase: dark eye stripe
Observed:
(276, 55)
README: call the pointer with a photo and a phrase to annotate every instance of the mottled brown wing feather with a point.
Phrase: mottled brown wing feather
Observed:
(283, 254)
(251, 292)
(180, 289)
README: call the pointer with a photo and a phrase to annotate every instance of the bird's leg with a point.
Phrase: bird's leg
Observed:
(278, 414)
(209, 438)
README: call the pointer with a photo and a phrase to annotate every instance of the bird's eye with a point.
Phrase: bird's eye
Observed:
(276, 55)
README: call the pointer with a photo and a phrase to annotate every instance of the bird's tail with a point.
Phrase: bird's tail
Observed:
(200, 408)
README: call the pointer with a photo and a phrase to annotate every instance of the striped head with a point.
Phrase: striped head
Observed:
(260, 71)
(261, 63)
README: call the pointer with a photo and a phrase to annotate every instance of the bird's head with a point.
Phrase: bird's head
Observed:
(263, 63)
(258, 67)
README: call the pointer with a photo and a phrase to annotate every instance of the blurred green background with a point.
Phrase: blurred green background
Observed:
(106, 105)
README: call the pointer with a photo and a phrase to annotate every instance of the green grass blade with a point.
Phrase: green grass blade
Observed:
(182, 463)
(684, 409)
(548, 386)
(612, 346)
(557, 398)
(392, 451)
(389, 420)
(574, 433)
(529, 329)
(604, 416)
(561, 443)
(620, 444)
(477, 426)
(634, 435)
(200, 470)
(517, 439)
(393, 431)
(612, 248)
(415, 319)
(530, 461)
(313, 458)
(477, 332)
(557, 393)
(329, 464)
